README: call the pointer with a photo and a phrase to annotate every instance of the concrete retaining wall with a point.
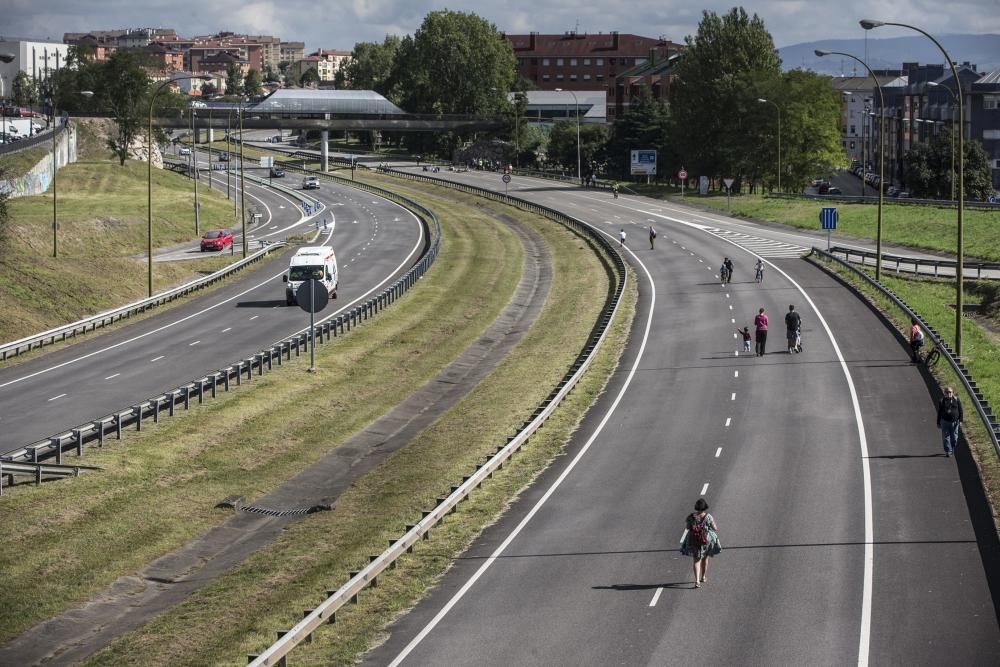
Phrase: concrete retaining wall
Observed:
(38, 179)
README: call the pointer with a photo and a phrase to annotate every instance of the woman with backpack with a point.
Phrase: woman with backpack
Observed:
(701, 540)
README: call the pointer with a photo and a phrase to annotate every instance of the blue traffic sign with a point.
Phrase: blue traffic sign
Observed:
(828, 218)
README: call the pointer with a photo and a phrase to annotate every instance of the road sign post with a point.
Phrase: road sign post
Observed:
(312, 297)
(682, 175)
(729, 187)
(828, 220)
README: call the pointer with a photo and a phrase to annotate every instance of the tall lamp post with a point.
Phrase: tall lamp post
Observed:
(955, 100)
(576, 102)
(243, 197)
(149, 177)
(763, 101)
(869, 24)
(881, 154)
(194, 171)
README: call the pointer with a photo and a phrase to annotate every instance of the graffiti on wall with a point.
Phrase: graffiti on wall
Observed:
(39, 178)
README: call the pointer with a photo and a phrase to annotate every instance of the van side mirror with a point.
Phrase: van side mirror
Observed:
(284, 277)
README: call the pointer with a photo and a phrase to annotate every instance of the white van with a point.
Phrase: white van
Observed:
(317, 262)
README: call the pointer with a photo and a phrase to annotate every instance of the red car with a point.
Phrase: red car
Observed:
(217, 239)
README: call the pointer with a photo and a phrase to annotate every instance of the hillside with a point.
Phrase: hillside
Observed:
(983, 51)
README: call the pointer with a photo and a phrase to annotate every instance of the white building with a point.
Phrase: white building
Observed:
(37, 58)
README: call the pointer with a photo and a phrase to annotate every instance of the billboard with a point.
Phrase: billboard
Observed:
(643, 162)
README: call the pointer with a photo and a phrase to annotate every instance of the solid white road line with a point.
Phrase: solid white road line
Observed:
(555, 485)
(656, 597)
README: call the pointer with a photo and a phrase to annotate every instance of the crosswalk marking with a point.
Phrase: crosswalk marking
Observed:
(760, 246)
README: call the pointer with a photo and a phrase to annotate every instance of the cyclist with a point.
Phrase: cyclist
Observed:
(759, 269)
(916, 340)
(793, 330)
(614, 190)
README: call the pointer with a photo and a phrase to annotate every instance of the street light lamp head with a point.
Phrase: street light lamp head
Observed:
(821, 52)
(87, 93)
(761, 99)
(868, 24)
(6, 57)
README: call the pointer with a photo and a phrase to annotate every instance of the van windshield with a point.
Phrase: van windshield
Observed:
(300, 273)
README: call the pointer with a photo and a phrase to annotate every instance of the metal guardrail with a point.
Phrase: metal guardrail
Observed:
(208, 385)
(901, 263)
(979, 401)
(101, 320)
(38, 471)
(368, 576)
(906, 201)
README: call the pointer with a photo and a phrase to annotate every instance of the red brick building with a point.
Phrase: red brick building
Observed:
(581, 61)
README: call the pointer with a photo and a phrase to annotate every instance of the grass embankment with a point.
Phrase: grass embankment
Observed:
(102, 231)
(20, 163)
(934, 301)
(926, 227)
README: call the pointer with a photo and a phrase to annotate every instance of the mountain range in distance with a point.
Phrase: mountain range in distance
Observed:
(983, 51)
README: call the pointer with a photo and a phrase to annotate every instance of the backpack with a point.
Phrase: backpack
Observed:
(698, 534)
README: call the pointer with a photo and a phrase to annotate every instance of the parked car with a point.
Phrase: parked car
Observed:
(184, 150)
(224, 156)
(833, 191)
(277, 173)
(216, 239)
(310, 183)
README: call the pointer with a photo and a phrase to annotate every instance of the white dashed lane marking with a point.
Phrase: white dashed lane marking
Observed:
(704, 489)
(56, 397)
(156, 358)
(656, 597)
(112, 377)
(194, 343)
(718, 452)
(729, 420)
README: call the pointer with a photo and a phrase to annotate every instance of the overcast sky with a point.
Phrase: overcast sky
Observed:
(339, 24)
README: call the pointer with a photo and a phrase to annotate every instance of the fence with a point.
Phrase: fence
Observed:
(326, 612)
(914, 264)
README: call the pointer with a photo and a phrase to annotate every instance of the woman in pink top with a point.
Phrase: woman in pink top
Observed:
(761, 323)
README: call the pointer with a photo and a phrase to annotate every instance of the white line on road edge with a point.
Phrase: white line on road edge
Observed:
(555, 485)
(656, 597)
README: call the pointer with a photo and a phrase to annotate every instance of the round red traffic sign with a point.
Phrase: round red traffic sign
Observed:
(682, 174)
(506, 178)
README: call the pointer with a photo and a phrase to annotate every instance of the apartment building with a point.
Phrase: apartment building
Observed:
(292, 51)
(329, 62)
(37, 58)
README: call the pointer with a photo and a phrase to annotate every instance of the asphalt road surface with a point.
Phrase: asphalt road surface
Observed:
(375, 240)
(848, 537)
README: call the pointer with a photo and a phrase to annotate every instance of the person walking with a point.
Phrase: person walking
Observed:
(621, 237)
(724, 271)
(759, 270)
(745, 334)
(916, 340)
(760, 324)
(793, 324)
(701, 540)
(614, 190)
(652, 236)
(949, 419)
(729, 269)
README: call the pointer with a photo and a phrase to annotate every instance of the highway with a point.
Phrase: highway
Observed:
(376, 241)
(848, 537)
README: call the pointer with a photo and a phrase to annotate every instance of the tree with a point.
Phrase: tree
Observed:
(455, 63)
(370, 66)
(716, 90)
(309, 77)
(270, 76)
(562, 144)
(208, 89)
(927, 168)
(646, 124)
(234, 80)
(23, 90)
(252, 84)
(124, 90)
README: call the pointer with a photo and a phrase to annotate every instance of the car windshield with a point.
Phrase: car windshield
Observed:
(300, 273)
(214, 235)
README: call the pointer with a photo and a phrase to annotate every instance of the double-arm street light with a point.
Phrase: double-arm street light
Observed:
(869, 24)
(576, 102)
(881, 154)
(763, 101)
(955, 100)
(149, 176)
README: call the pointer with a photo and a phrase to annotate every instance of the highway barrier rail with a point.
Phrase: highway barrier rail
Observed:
(207, 386)
(873, 199)
(326, 612)
(982, 406)
(101, 320)
(914, 264)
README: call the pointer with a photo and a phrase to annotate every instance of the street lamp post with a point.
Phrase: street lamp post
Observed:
(243, 197)
(763, 101)
(881, 155)
(194, 172)
(576, 102)
(869, 24)
(955, 100)
(149, 178)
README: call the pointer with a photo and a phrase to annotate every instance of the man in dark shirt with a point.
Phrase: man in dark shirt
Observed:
(793, 326)
(949, 417)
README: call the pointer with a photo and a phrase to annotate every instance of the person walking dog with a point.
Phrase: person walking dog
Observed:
(701, 540)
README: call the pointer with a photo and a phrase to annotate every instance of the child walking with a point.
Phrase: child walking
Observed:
(745, 333)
